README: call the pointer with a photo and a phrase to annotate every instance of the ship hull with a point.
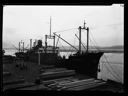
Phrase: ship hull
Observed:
(84, 64)
(45, 58)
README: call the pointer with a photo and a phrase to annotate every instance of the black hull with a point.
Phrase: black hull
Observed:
(85, 64)
(45, 58)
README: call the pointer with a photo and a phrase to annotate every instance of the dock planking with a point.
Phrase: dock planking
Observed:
(17, 86)
(48, 75)
(35, 87)
(53, 70)
(86, 86)
(13, 81)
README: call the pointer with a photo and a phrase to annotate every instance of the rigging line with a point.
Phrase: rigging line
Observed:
(115, 76)
(65, 30)
(93, 44)
(74, 45)
(81, 41)
(94, 41)
(26, 47)
(63, 47)
(107, 61)
(110, 65)
(112, 73)
(14, 46)
(57, 40)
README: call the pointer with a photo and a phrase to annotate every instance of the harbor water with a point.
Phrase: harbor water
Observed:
(111, 65)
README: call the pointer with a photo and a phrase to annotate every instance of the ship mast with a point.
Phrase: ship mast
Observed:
(50, 25)
(80, 37)
(50, 37)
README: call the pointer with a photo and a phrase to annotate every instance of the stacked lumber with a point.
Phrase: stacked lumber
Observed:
(86, 86)
(36, 87)
(17, 86)
(48, 82)
(77, 83)
(47, 66)
(53, 70)
(13, 82)
(57, 74)
(70, 83)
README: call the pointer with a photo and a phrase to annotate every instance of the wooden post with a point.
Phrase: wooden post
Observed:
(80, 39)
(45, 43)
(54, 43)
(38, 58)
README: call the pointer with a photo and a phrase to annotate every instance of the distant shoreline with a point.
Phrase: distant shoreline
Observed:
(91, 49)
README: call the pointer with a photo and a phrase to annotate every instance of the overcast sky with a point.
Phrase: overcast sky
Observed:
(106, 23)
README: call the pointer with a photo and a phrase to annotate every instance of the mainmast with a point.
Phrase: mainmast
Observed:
(87, 38)
(50, 37)
(50, 25)
(80, 37)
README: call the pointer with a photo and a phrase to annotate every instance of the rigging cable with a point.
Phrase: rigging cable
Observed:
(14, 46)
(81, 41)
(65, 30)
(114, 75)
(57, 40)
(61, 45)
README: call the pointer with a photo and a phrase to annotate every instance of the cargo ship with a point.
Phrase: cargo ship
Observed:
(42, 68)
(83, 62)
